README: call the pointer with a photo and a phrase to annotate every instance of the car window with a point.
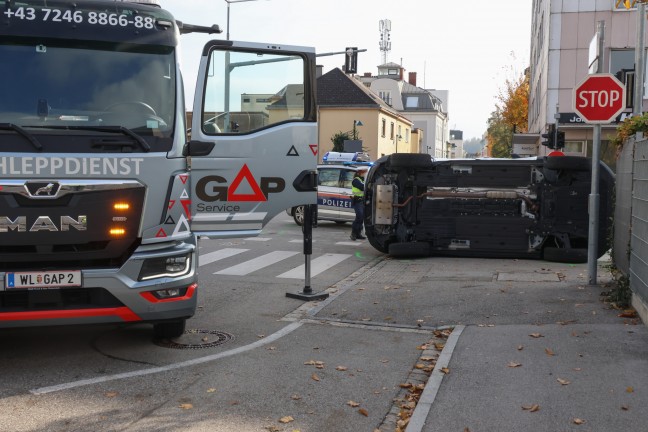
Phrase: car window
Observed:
(347, 178)
(329, 177)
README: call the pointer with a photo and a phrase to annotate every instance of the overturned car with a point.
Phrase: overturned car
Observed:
(506, 208)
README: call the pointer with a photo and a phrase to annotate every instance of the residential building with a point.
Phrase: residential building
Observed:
(426, 108)
(343, 101)
(562, 50)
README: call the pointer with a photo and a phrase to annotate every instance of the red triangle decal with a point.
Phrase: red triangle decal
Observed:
(186, 204)
(183, 178)
(171, 204)
(256, 194)
(313, 148)
(161, 233)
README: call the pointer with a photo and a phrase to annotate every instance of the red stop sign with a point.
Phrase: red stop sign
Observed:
(599, 98)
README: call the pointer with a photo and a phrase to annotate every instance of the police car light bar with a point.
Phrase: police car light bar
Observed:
(338, 157)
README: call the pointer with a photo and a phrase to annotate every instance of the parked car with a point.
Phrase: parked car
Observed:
(333, 195)
(507, 208)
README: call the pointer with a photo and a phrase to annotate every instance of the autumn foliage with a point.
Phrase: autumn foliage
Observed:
(511, 116)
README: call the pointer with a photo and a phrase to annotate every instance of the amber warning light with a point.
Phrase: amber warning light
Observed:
(117, 232)
(121, 206)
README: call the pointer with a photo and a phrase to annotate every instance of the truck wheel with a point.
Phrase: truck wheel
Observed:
(413, 249)
(572, 163)
(298, 215)
(169, 329)
(410, 160)
(562, 255)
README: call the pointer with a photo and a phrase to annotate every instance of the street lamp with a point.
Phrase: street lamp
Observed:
(356, 123)
(228, 11)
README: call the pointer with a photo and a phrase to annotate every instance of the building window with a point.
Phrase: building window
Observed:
(407, 133)
(574, 147)
(386, 96)
(391, 131)
(392, 72)
(411, 102)
(383, 128)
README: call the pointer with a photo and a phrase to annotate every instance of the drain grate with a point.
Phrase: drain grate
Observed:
(196, 339)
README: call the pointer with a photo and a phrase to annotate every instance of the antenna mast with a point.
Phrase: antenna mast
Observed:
(385, 42)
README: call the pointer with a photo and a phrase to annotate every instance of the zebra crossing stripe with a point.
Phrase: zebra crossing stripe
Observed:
(318, 265)
(259, 239)
(218, 255)
(258, 263)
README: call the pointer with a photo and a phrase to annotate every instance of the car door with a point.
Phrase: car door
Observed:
(253, 149)
(328, 192)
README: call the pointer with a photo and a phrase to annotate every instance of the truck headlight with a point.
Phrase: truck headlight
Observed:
(165, 267)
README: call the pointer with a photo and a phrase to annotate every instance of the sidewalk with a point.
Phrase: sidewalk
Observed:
(536, 350)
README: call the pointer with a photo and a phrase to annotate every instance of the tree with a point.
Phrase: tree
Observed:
(338, 140)
(511, 116)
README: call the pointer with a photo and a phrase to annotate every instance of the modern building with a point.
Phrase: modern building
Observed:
(563, 47)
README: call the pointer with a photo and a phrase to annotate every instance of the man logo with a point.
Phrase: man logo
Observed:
(42, 189)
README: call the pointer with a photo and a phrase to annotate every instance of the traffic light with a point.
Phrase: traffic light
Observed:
(549, 136)
(560, 142)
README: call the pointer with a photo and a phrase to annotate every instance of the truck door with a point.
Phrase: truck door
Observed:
(253, 147)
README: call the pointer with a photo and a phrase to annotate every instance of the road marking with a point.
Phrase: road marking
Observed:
(138, 373)
(218, 255)
(318, 265)
(299, 241)
(258, 263)
(349, 243)
(259, 239)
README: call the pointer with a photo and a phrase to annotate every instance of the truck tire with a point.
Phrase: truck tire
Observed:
(410, 160)
(413, 249)
(169, 329)
(572, 163)
(563, 255)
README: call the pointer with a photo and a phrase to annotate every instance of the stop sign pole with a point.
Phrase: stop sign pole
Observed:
(598, 99)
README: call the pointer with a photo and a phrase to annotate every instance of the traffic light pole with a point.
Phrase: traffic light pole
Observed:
(594, 198)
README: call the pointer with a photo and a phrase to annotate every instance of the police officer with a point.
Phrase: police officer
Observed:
(357, 188)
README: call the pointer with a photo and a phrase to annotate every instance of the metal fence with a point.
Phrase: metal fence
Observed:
(631, 216)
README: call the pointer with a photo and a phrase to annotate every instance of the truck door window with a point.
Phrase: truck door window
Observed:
(248, 91)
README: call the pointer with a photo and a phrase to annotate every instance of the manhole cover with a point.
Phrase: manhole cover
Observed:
(196, 339)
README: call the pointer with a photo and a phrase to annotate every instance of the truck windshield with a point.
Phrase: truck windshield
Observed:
(88, 85)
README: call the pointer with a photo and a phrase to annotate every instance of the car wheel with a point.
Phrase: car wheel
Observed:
(410, 160)
(169, 329)
(563, 255)
(298, 215)
(572, 163)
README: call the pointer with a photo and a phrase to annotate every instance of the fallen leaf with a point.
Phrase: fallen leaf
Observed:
(341, 368)
(185, 406)
(272, 428)
(286, 419)
(445, 370)
(353, 404)
(295, 397)
(364, 412)
(205, 339)
(260, 336)
(514, 365)
(577, 369)
(111, 394)
(536, 335)
(578, 421)
(563, 381)
(314, 377)
(520, 347)
(549, 352)
(426, 358)
(439, 346)
(629, 389)
(271, 348)
(628, 313)
(625, 407)
(531, 408)
(405, 385)
(211, 390)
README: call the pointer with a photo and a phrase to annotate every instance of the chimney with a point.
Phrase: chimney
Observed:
(367, 75)
(400, 75)
(412, 78)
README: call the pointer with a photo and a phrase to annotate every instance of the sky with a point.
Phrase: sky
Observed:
(469, 48)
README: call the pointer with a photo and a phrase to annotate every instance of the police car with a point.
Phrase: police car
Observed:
(334, 187)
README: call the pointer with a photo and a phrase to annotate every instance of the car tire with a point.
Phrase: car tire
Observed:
(298, 215)
(169, 329)
(410, 160)
(413, 249)
(564, 255)
(571, 163)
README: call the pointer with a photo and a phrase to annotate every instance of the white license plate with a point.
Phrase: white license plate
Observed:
(46, 279)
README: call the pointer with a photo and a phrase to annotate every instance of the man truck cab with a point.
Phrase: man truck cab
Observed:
(102, 196)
